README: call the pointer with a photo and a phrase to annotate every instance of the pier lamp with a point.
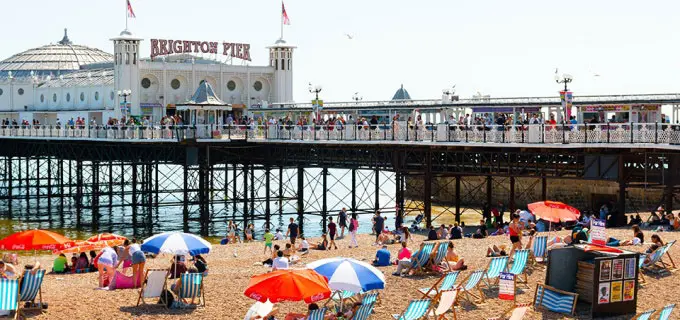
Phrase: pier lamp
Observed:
(315, 90)
(125, 93)
(356, 97)
(565, 78)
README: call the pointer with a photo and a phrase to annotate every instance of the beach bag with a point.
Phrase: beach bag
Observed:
(166, 298)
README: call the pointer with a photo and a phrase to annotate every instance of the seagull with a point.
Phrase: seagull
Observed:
(596, 75)
(349, 36)
(556, 70)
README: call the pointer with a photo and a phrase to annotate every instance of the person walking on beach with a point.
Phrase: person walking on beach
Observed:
(332, 229)
(342, 221)
(353, 226)
(515, 232)
(379, 225)
(268, 237)
(293, 231)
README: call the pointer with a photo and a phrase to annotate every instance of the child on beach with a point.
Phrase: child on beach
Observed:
(332, 229)
(268, 237)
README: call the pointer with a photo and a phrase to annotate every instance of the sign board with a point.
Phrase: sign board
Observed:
(161, 47)
(615, 285)
(598, 233)
(506, 286)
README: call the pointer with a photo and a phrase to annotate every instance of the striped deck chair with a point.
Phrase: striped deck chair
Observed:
(641, 263)
(554, 299)
(317, 314)
(653, 260)
(645, 315)
(472, 283)
(339, 298)
(364, 312)
(419, 261)
(191, 287)
(370, 298)
(516, 313)
(439, 255)
(30, 285)
(494, 269)
(665, 313)
(520, 264)
(446, 282)
(446, 302)
(9, 295)
(415, 310)
(668, 254)
(539, 249)
(154, 285)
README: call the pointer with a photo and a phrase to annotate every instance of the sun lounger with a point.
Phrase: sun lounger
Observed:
(446, 282)
(516, 313)
(419, 260)
(154, 284)
(471, 283)
(539, 249)
(9, 295)
(645, 315)
(494, 269)
(364, 312)
(30, 285)
(520, 264)
(191, 287)
(416, 309)
(554, 299)
(665, 313)
(317, 314)
(446, 300)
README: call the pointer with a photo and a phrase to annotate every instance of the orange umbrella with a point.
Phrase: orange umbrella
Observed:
(111, 239)
(84, 246)
(554, 211)
(35, 240)
(289, 285)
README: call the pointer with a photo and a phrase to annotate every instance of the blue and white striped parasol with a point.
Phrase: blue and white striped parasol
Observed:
(176, 243)
(349, 274)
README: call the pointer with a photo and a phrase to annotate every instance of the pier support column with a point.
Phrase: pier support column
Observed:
(512, 204)
(252, 195)
(354, 191)
(134, 193)
(10, 183)
(377, 190)
(60, 173)
(544, 188)
(301, 197)
(79, 191)
(204, 191)
(246, 185)
(28, 184)
(427, 191)
(280, 192)
(399, 198)
(324, 209)
(234, 194)
(267, 196)
(49, 185)
(110, 184)
(621, 219)
(489, 191)
(185, 197)
(95, 195)
(670, 181)
(458, 199)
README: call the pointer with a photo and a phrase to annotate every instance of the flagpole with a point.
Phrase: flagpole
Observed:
(281, 20)
(126, 15)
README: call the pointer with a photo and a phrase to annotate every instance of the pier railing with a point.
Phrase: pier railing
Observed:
(631, 133)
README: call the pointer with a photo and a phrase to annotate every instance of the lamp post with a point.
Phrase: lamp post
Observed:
(315, 90)
(124, 94)
(565, 78)
(11, 90)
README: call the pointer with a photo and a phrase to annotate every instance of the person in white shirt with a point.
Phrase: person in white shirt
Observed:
(278, 235)
(280, 263)
(304, 245)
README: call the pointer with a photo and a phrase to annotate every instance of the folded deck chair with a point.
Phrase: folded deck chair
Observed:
(665, 313)
(539, 249)
(494, 269)
(415, 310)
(30, 285)
(154, 285)
(317, 314)
(419, 261)
(191, 287)
(446, 282)
(645, 315)
(471, 282)
(9, 295)
(446, 301)
(516, 313)
(438, 257)
(520, 264)
(554, 299)
(364, 312)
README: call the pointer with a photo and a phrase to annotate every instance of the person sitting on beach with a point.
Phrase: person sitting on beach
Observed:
(200, 264)
(382, 257)
(482, 232)
(347, 315)
(74, 261)
(280, 262)
(494, 251)
(443, 233)
(456, 232)
(673, 222)
(406, 264)
(638, 237)
(656, 244)
(176, 286)
(432, 234)
(557, 242)
(405, 235)
(60, 264)
(279, 235)
(93, 257)
(404, 253)
(299, 316)
(7, 270)
(453, 261)
(635, 220)
(323, 244)
(178, 266)
(271, 260)
(82, 264)
(304, 245)
(499, 230)
(384, 238)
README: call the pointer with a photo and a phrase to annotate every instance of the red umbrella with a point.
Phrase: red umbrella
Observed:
(289, 285)
(35, 240)
(554, 211)
(110, 238)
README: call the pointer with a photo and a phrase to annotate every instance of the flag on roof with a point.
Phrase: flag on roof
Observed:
(130, 12)
(284, 14)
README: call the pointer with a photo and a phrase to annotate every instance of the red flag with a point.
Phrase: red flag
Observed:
(130, 12)
(284, 14)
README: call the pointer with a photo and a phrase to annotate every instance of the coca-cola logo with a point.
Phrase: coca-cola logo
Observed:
(49, 247)
(18, 247)
(255, 296)
(317, 297)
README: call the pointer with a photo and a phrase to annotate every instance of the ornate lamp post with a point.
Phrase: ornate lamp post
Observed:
(315, 90)
(125, 93)
(565, 78)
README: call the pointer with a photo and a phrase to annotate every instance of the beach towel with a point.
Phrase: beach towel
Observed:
(121, 281)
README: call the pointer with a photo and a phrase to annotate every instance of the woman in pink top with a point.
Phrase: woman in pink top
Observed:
(404, 252)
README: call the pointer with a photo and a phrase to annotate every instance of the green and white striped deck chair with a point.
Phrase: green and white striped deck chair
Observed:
(539, 249)
(9, 295)
(31, 285)
(440, 254)
(339, 297)
(494, 269)
(554, 299)
(645, 315)
(665, 313)
(191, 287)
(519, 266)
(317, 314)
(472, 283)
(364, 312)
(446, 282)
(370, 297)
(419, 261)
(415, 310)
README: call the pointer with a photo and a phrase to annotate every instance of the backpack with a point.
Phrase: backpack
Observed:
(166, 298)
(351, 225)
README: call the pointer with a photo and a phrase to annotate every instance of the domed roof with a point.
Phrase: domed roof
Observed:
(59, 58)
(401, 94)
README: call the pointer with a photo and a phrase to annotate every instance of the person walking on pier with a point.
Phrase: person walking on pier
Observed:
(293, 231)
(332, 229)
(342, 221)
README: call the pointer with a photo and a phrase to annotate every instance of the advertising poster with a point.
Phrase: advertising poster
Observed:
(628, 290)
(605, 270)
(617, 269)
(630, 268)
(616, 291)
(598, 233)
(603, 293)
(506, 286)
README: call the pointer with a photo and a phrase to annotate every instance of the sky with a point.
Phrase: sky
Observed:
(497, 47)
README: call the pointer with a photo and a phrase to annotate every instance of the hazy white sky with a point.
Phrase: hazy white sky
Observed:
(498, 47)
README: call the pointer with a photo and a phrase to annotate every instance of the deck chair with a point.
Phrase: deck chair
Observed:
(516, 313)
(446, 301)
(438, 256)
(261, 309)
(520, 264)
(419, 261)
(339, 297)
(415, 310)
(472, 283)
(9, 295)
(317, 314)
(191, 287)
(364, 312)
(494, 269)
(370, 298)
(539, 249)
(641, 263)
(668, 254)
(554, 299)
(154, 285)
(645, 315)
(446, 282)
(30, 285)
(654, 261)
(665, 313)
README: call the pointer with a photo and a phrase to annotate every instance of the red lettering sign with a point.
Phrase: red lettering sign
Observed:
(154, 48)
(161, 47)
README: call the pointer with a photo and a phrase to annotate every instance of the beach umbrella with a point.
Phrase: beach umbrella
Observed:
(346, 274)
(554, 211)
(176, 243)
(83, 246)
(288, 285)
(111, 239)
(35, 240)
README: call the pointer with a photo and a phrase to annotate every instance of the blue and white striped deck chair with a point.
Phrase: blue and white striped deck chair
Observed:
(446, 282)
(641, 263)
(539, 249)
(30, 285)
(416, 309)
(668, 254)
(519, 266)
(554, 299)
(652, 260)
(369, 298)
(494, 269)
(440, 254)
(472, 283)
(9, 295)
(645, 315)
(665, 313)
(191, 287)
(364, 312)
(317, 314)
(419, 261)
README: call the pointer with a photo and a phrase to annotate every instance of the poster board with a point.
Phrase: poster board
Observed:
(598, 233)
(506, 286)
(615, 285)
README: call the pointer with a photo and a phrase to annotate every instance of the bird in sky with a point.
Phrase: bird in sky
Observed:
(349, 36)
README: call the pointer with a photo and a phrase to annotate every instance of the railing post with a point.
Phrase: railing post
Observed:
(503, 133)
(564, 134)
(266, 130)
(448, 133)
(543, 133)
(407, 130)
(370, 133)
(328, 133)
(432, 126)
(392, 130)
(631, 132)
(656, 132)
(246, 130)
(608, 127)
(416, 131)
(355, 132)
(314, 130)
(484, 131)
(586, 134)
(212, 135)
(229, 132)
(466, 133)
(384, 135)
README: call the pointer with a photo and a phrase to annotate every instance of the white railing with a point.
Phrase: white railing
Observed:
(619, 133)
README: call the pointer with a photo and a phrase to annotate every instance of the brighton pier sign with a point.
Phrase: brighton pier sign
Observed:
(161, 47)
